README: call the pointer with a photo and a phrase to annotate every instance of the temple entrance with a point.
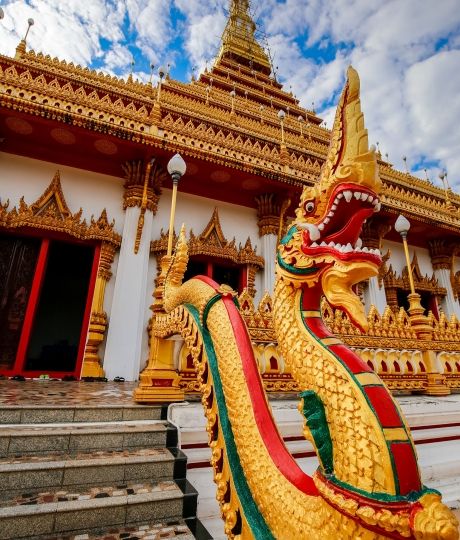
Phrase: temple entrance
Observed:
(46, 287)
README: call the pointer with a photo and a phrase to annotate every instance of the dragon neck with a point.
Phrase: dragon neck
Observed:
(363, 443)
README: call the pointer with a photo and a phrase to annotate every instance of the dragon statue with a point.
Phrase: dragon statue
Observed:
(367, 485)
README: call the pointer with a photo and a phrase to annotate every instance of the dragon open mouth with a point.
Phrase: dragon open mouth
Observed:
(338, 231)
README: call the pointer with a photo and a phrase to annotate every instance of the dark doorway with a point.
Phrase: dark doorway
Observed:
(18, 259)
(55, 336)
(46, 287)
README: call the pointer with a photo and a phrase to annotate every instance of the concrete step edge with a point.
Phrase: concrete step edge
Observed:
(80, 505)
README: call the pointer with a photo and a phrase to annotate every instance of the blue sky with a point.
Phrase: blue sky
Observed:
(406, 51)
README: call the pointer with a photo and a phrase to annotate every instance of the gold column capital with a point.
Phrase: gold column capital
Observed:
(138, 192)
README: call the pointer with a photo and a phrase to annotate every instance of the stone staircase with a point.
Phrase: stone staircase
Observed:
(87, 472)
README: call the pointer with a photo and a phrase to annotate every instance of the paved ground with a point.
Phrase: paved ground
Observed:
(65, 393)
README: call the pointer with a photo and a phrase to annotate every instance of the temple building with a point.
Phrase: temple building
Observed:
(85, 209)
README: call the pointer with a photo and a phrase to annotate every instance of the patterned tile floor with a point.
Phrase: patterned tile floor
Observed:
(66, 393)
(159, 531)
(121, 490)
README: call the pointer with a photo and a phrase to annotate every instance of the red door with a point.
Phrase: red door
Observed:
(46, 288)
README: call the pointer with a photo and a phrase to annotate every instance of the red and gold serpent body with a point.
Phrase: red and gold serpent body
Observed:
(368, 483)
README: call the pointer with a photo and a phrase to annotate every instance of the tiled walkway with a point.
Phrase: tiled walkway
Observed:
(64, 393)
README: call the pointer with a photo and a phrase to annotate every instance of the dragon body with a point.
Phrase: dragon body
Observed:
(368, 483)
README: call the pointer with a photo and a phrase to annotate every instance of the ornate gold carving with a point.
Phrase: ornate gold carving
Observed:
(142, 189)
(50, 212)
(238, 39)
(422, 283)
(212, 243)
(268, 213)
(92, 365)
(441, 254)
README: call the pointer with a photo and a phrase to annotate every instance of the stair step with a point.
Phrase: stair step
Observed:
(38, 414)
(66, 471)
(29, 439)
(151, 531)
(57, 512)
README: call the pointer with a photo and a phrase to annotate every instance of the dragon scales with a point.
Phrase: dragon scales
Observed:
(368, 483)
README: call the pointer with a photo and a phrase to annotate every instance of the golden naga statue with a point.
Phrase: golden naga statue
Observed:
(368, 483)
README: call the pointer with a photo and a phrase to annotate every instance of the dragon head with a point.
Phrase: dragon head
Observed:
(323, 244)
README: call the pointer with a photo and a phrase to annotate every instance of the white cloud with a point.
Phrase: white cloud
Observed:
(406, 51)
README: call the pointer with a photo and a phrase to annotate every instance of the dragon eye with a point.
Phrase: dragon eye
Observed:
(309, 207)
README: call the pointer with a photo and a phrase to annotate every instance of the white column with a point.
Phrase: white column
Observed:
(130, 300)
(374, 295)
(269, 254)
(449, 305)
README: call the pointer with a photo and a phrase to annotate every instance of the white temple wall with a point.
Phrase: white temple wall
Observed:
(22, 176)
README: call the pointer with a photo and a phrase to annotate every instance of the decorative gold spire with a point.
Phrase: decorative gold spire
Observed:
(238, 39)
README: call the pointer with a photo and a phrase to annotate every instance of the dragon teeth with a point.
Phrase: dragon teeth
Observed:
(348, 195)
(321, 226)
(314, 244)
(334, 206)
(312, 229)
(323, 244)
(357, 195)
(347, 248)
(358, 244)
(377, 207)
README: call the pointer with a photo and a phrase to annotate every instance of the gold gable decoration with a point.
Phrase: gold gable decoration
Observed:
(212, 243)
(50, 212)
(422, 283)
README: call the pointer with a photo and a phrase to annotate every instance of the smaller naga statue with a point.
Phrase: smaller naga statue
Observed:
(368, 483)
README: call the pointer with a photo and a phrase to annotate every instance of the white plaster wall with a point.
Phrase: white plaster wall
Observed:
(21, 176)
(398, 259)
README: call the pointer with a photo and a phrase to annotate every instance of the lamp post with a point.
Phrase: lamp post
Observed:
(160, 380)
(232, 96)
(402, 226)
(416, 311)
(176, 168)
(30, 22)
(420, 323)
(282, 116)
(300, 119)
(161, 74)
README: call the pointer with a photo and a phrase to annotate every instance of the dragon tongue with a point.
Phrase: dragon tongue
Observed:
(337, 285)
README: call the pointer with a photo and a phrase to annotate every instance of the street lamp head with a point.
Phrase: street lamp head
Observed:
(402, 225)
(161, 72)
(2, 13)
(281, 115)
(300, 118)
(232, 93)
(176, 167)
(442, 175)
(30, 22)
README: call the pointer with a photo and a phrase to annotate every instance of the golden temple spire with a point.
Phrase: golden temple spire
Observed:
(238, 40)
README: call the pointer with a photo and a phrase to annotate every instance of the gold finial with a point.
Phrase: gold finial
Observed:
(239, 41)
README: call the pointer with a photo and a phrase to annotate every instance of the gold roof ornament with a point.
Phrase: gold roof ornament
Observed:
(239, 42)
